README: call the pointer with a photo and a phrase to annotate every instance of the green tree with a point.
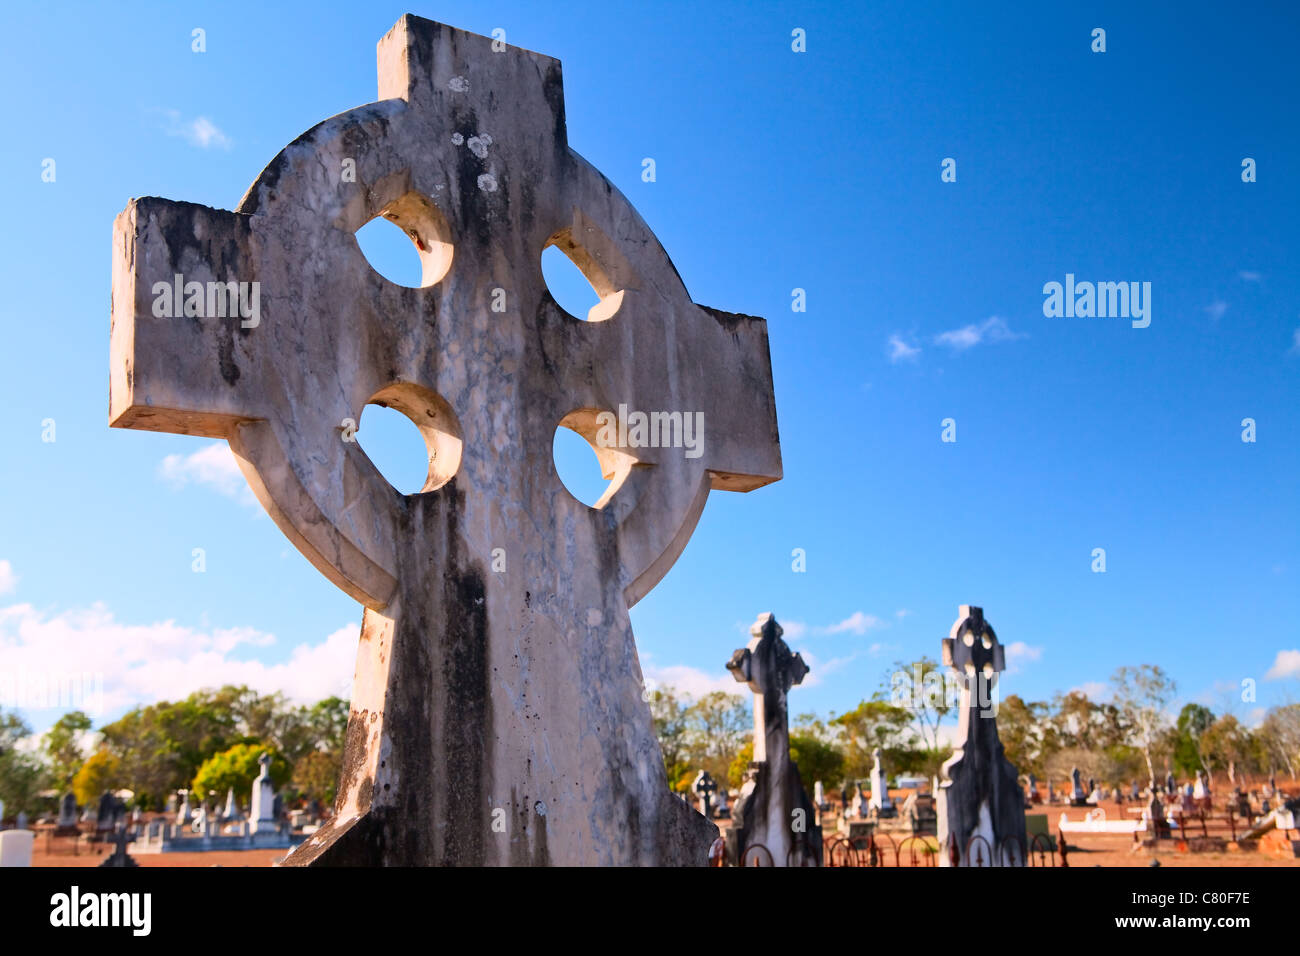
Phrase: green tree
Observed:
(62, 743)
(717, 726)
(816, 760)
(1189, 754)
(873, 723)
(236, 768)
(316, 775)
(671, 725)
(22, 775)
(1141, 696)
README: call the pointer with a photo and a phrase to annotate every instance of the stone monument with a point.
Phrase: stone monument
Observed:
(496, 678)
(262, 811)
(704, 788)
(68, 812)
(980, 794)
(773, 808)
(1078, 796)
(881, 805)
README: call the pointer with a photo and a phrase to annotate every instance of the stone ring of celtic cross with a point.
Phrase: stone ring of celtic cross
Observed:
(481, 686)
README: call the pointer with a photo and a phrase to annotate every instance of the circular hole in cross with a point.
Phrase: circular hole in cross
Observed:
(408, 242)
(577, 447)
(576, 280)
(396, 422)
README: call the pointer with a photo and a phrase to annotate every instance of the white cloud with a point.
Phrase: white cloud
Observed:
(794, 629)
(1248, 276)
(856, 623)
(901, 613)
(900, 351)
(1019, 652)
(1287, 664)
(8, 580)
(212, 465)
(1096, 691)
(688, 680)
(992, 329)
(1216, 309)
(117, 665)
(199, 131)
(1295, 343)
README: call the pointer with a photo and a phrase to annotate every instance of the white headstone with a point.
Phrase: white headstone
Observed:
(16, 847)
(880, 786)
(231, 812)
(819, 795)
(262, 815)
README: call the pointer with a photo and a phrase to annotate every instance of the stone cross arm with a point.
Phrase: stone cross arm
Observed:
(266, 325)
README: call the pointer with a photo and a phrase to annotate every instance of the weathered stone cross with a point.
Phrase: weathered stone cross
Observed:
(773, 809)
(980, 794)
(497, 707)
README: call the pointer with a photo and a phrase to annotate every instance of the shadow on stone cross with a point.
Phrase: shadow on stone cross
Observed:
(497, 706)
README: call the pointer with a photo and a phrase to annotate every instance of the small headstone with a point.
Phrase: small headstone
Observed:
(880, 802)
(21, 822)
(704, 788)
(183, 813)
(862, 806)
(724, 809)
(231, 811)
(1171, 785)
(819, 796)
(1051, 791)
(67, 811)
(1134, 793)
(1202, 789)
(1078, 796)
(16, 847)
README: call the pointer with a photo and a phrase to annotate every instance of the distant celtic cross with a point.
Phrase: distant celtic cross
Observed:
(497, 711)
(981, 808)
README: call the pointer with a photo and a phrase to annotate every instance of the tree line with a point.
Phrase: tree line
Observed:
(1132, 735)
(207, 743)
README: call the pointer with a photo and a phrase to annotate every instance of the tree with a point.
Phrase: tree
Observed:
(873, 723)
(1279, 737)
(815, 758)
(236, 768)
(316, 775)
(671, 725)
(62, 744)
(1188, 741)
(1229, 746)
(923, 690)
(717, 726)
(100, 773)
(1021, 727)
(22, 776)
(1141, 696)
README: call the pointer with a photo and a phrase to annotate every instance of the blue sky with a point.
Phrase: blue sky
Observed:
(775, 170)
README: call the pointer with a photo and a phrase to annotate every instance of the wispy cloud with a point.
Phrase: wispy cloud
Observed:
(162, 660)
(856, 623)
(992, 329)
(1295, 343)
(197, 131)
(1247, 276)
(213, 466)
(1096, 691)
(1216, 309)
(900, 351)
(1019, 652)
(1287, 664)
(8, 580)
(688, 680)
